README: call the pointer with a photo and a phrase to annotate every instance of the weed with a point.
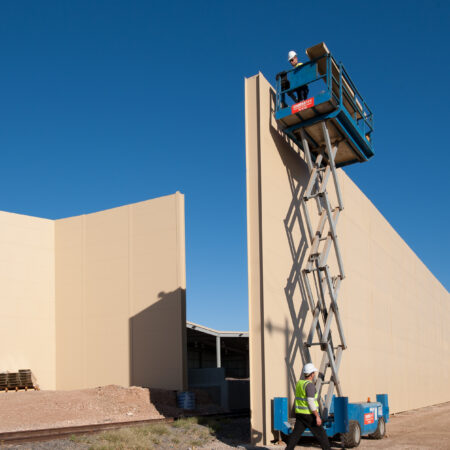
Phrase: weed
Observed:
(158, 429)
(112, 437)
(75, 438)
(186, 423)
(99, 447)
(123, 438)
(214, 425)
(204, 434)
(142, 431)
(187, 432)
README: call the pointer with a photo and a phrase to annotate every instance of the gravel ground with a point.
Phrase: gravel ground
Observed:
(49, 445)
(182, 434)
(425, 428)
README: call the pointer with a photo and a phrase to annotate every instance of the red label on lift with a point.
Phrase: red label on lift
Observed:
(369, 418)
(305, 104)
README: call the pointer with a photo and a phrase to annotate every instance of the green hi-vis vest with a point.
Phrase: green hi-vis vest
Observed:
(301, 403)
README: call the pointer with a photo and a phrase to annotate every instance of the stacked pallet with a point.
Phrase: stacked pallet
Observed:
(13, 380)
(23, 379)
(3, 381)
(26, 379)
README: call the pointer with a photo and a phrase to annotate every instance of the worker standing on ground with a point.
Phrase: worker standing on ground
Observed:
(303, 91)
(307, 410)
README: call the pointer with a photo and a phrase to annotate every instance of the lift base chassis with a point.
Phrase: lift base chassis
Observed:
(342, 413)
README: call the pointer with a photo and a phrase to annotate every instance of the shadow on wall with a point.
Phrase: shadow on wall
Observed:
(296, 235)
(158, 343)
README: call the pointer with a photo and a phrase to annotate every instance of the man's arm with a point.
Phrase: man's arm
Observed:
(310, 394)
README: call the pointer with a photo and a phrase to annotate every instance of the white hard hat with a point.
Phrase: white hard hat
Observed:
(309, 368)
(291, 54)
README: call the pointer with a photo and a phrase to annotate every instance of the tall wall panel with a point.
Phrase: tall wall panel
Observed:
(27, 296)
(120, 296)
(395, 312)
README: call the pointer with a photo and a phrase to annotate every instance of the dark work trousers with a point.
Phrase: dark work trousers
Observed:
(301, 93)
(303, 421)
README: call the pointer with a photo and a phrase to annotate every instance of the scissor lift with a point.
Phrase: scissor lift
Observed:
(333, 126)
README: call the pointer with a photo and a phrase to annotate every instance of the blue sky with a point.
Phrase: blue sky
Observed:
(104, 103)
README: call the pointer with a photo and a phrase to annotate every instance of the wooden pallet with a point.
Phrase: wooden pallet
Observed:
(18, 388)
(15, 381)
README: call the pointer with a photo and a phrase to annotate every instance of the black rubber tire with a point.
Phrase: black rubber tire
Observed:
(380, 432)
(353, 437)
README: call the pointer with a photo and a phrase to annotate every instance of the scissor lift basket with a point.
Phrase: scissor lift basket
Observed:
(333, 98)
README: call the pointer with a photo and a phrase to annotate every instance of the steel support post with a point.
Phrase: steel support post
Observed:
(218, 356)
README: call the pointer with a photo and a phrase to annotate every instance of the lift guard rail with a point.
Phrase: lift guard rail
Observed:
(334, 96)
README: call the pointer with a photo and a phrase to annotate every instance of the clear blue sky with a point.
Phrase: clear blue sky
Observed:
(104, 103)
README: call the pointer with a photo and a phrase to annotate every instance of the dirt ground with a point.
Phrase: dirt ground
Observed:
(50, 409)
(418, 429)
(425, 428)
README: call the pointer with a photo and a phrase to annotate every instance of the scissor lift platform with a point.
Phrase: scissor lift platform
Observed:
(333, 98)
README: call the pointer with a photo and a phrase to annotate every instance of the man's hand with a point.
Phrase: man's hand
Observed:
(318, 419)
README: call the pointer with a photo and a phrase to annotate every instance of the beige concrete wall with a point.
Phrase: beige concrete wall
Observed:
(395, 313)
(120, 296)
(27, 296)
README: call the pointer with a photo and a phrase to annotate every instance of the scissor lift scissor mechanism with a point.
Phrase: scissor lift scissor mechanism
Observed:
(323, 300)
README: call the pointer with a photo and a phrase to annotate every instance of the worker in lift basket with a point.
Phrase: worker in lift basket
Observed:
(303, 91)
(307, 410)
